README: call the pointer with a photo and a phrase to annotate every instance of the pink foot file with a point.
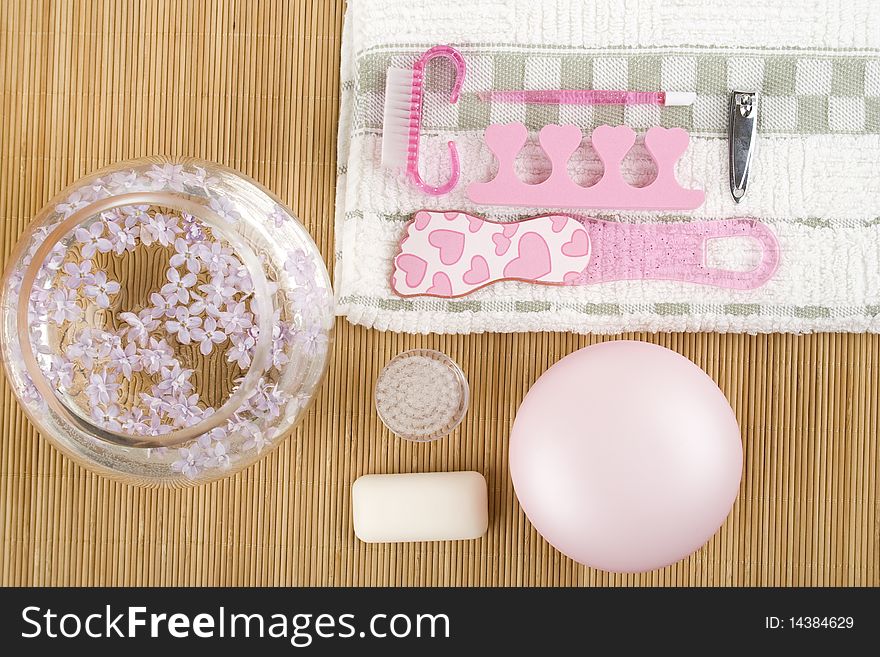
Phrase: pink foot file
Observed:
(450, 254)
(666, 146)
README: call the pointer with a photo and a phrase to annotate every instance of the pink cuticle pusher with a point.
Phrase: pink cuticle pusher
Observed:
(589, 97)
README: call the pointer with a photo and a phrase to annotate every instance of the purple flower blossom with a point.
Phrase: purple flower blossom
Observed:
(102, 388)
(62, 306)
(135, 215)
(100, 289)
(125, 361)
(191, 461)
(162, 306)
(157, 356)
(86, 348)
(72, 203)
(107, 417)
(162, 228)
(178, 286)
(192, 228)
(241, 349)
(77, 275)
(175, 380)
(207, 336)
(135, 422)
(169, 176)
(218, 293)
(182, 324)
(139, 326)
(183, 410)
(123, 239)
(60, 372)
(278, 216)
(301, 266)
(236, 319)
(216, 257)
(123, 180)
(225, 209)
(92, 239)
(186, 253)
(312, 339)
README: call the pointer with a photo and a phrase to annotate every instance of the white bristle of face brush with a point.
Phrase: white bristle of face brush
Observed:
(395, 121)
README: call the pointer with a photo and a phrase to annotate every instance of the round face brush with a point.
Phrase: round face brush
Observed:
(421, 395)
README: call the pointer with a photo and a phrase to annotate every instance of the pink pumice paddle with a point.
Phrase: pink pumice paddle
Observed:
(450, 254)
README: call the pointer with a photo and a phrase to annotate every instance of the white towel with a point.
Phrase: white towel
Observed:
(815, 182)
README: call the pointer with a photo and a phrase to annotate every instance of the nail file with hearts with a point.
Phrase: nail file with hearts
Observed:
(666, 146)
(450, 254)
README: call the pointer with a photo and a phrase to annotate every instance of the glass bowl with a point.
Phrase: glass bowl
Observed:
(165, 321)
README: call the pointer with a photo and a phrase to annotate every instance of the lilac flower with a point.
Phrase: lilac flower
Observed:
(278, 216)
(207, 336)
(236, 319)
(182, 324)
(107, 417)
(220, 458)
(92, 239)
(259, 439)
(200, 178)
(162, 228)
(184, 410)
(62, 306)
(300, 265)
(192, 228)
(178, 286)
(240, 278)
(168, 175)
(72, 203)
(85, 348)
(77, 275)
(156, 403)
(126, 361)
(240, 351)
(175, 380)
(135, 422)
(312, 339)
(123, 239)
(157, 356)
(197, 305)
(139, 326)
(225, 208)
(162, 306)
(267, 401)
(123, 180)
(135, 215)
(186, 253)
(102, 388)
(191, 461)
(218, 293)
(60, 372)
(100, 289)
(216, 257)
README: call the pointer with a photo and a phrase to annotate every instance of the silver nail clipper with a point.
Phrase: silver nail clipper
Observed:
(741, 135)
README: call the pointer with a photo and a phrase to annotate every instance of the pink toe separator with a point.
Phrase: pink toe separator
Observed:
(415, 118)
(666, 146)
(450, 254)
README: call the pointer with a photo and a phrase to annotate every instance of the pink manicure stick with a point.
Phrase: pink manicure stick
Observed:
(450, 254)
(589, 97)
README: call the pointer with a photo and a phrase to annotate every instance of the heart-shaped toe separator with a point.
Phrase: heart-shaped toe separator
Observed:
(446, 254)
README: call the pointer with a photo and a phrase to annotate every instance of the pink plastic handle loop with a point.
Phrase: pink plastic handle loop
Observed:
(457, 60)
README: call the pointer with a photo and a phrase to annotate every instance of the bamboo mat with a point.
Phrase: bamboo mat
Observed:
(254, 85)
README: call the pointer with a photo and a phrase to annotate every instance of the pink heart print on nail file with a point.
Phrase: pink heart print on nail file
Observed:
(450, 254)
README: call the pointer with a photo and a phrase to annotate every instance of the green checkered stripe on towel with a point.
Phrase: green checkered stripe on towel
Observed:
(802, 92)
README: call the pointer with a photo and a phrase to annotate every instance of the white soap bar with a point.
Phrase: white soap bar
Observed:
(428, 506)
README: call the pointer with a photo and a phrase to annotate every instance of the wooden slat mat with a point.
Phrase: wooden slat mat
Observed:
(254, 85)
